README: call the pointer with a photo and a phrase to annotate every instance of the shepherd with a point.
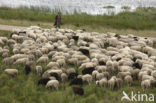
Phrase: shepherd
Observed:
(57, 20)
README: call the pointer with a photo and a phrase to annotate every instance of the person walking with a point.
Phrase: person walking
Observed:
(57, 20)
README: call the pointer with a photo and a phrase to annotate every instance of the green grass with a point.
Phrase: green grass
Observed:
(141, 19)
(24, 89)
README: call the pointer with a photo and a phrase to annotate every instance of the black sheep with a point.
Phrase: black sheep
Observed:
(43, 81)
(88, 70)
(136, 65)
(72, 76)
(55, 75)
(78, 90)
(84, 51)
(27, 69)
(102, 63)
(76, 38)
(76, 81)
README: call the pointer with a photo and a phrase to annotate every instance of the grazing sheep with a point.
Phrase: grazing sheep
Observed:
(76, 81)
(38, 70)
(43, 81)
(123, 74)
(87, 78)
(94, 73)
(154, 74)
(11, 72)
(103, 82)
(112, 82)
(27, 69)
(43, 59)
(70, 70)
(61, 62)
(64, 77)
(88, 70)
(128, 80)
(99, 76)
(78, 90)
(53, 84)
(52, 64)
(72, 76)
(119, 82)
(145, 85)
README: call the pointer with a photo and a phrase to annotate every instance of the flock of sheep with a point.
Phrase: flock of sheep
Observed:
(105, 59)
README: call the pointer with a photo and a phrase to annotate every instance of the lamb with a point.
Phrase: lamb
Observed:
(53, 84)
(128, 80)
(103, 82)
(145, 85)
(72, 76)
(38, 70)
(87, 78)
(43, 81)
(11, 72)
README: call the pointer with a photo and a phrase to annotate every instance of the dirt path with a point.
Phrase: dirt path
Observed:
(11, 28)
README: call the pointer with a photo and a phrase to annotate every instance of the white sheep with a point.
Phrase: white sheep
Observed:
(52, 64)
(11, 72)
(43, 59)
(87, 78)
(64, 77)
(111, 82)
(53, 84)
(103, 82)
(128, 80)
(145, 84)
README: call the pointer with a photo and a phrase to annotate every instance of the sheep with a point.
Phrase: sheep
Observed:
(119, 82)
(154, 74)
(88, 70)
(76, 81)
(145, 84)
(78, 90)
(38, 70)
(43, 81)
(72, 76)
(52, 64)
(128, 79)
(123, 74)
(99, 76)
(87, 78)
(103, 82)
(111, 82)
(11, 72)
(43, 59)
(61, 62)
(64, 77)
(27, 69)
(53, 84)
(70, 70)
(94, 73)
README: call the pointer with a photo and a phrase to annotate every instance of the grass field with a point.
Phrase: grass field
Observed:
(141, 19)
(24, 89)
